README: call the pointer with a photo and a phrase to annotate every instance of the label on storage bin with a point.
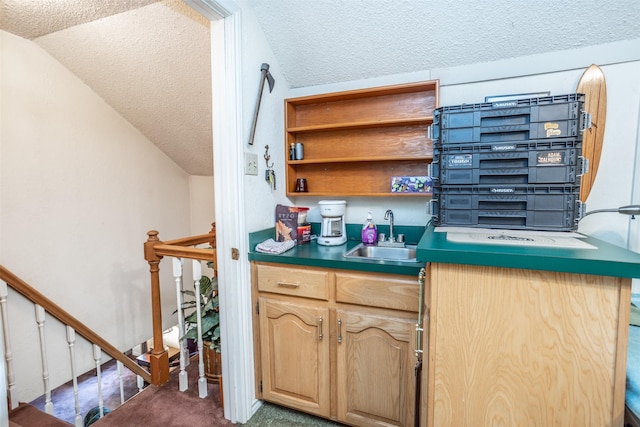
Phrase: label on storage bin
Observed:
(460, 161)
(551, 158)
(503, 147)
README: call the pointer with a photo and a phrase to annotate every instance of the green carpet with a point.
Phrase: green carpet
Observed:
(279, 416)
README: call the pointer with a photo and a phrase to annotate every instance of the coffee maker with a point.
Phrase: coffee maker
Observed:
(333, 231)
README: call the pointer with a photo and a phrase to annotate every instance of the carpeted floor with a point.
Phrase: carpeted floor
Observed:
(167, 407)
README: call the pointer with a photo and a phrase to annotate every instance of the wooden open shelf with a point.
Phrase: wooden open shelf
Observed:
(356, 141)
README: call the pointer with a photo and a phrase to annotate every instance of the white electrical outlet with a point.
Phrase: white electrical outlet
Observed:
(250, 164)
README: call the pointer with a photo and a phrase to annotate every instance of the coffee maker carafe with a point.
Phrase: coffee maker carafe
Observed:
(333, 229)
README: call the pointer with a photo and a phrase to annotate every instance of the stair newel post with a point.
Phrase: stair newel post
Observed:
(40, 319)
(183, 380)
(97, 357)
(159, 358)
(8, 353)
(202, 381)
(71, 341)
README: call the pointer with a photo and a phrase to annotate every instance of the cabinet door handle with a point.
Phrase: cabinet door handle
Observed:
(320, 328)
(339, 330)
(288, 285)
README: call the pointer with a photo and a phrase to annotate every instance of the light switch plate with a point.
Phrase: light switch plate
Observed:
(250, 163)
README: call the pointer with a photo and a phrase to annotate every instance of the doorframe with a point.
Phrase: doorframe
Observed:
(233, 274)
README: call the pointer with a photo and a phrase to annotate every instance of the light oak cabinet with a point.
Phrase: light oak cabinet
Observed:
(356, 141)
(295, 362)
(375, 369)
(518, 347)
(341, 348)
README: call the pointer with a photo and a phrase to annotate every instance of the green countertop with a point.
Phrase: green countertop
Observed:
(606, 260)
(314, 255)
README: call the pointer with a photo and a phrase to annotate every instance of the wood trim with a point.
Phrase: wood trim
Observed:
(56, 311)
(195, 240)
(155, 249)
(182, 252)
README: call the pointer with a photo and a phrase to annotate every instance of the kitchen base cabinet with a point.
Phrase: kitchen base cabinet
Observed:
(518, 347)
(336, 344)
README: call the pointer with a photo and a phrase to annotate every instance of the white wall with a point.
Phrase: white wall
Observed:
(260, 199)
(202, 212)
(202, 205)
(80, 187)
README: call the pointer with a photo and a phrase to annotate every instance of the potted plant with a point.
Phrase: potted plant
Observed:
(210, 317)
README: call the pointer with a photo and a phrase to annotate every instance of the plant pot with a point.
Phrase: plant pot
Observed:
(212, 363)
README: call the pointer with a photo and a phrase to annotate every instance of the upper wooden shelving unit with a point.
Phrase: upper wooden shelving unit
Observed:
(356, 141)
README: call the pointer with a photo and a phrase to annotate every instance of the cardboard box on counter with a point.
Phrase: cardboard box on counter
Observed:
(291, 222)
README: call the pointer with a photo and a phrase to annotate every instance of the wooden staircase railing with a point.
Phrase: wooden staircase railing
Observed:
(56, 311)
(74, 326)
(154, 251)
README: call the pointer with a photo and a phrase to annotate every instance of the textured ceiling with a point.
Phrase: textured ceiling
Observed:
(151, 64)
(150, 59)
(327, 41)
(34, 18)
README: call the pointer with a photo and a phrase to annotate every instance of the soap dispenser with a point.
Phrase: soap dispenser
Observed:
(369, 231)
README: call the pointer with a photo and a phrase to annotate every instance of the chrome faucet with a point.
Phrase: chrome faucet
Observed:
(389, 215)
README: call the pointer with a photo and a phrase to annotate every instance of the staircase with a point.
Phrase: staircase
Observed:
(178, 387)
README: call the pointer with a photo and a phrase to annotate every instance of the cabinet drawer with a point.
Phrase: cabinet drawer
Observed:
(293, 281)
(395, 292)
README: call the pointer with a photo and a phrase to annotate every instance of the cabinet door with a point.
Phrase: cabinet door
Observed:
(375, 369)
(295, 355)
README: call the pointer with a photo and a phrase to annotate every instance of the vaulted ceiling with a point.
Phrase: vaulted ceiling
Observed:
(150, 59)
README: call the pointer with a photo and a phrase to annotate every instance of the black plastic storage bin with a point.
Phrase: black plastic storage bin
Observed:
(533, 162)
(531, 207)
(516, 120)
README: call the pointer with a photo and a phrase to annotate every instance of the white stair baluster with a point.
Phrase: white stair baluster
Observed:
(40, 319)
(8, 354)
(97, 356)
(121, 381)
(183, 379)
(71, 340)
(202, 381)
(140, 383)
